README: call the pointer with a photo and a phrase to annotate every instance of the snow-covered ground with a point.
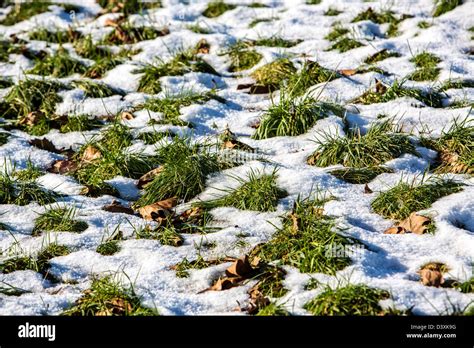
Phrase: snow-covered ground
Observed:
(391, 261)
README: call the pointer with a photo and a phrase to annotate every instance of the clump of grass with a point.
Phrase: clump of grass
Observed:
(376, 17)
(128, 7)
(79, 123)
(254, 22)
(185, 169)
(424, 25)
(332, 12)
(198, 29)
(345, 44)
(166, 233)
(455, 147)
(465, 287)
(382, 142)
(86, 48)
(290, 117)
(359, 175)
(31, 95)
(14, 191)
(456, 84)
(4, 138)
(313, 2)
(276, 41)
(38, 263)
(405, 198)
(93, 89)
(59, 64)
(180, 64)
(58, 36)
(113, 159)
(381, 55)
(151, 138)
(107, 297)
(272, 74)
(101, 66)
(59, 219)
(273, 309)
(310, 74)
(126, 33)
(185, 265)
(242, 56)
(25, 10)
(383, 93)
(170, 105)
(108, 248)
(426, 67)
(337, 32)
(304, 240)
(270, 281)
(443, 6)
(217, 8)
(259, 192)
(348, 300)
(30, 173)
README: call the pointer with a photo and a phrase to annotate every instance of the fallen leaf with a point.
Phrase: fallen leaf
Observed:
(203, 46)
(240, 268)
(158, 210)
(45, 144)
(225, 283)
(63, 167)
(395, 230)
(91, 154)
(347, 72)
(367, 189)
(415, 223)
(380, 88)
(127, 115)
(117, 207)
(431, 277)
(32, 118)
(295, 223)
(148, 177)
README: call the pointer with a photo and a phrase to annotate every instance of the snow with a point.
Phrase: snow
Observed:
(390, 262)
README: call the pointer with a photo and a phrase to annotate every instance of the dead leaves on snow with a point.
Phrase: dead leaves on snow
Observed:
(159, 210)
(415, 223)
(431, 274)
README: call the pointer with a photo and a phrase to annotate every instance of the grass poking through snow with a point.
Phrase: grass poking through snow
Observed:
(359, 175)
(59, 219)
(382, 142)
(405, 198)
(258, 192)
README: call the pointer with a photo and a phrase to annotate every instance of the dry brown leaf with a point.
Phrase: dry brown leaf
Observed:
(127, 115)
(91, 154)
(244, 86)
(431, 277)
(148, 177)
(203, 46)
(117, 207)
(240, 268)
(32, 118)
(63, 166)
(111, 22)
(367, 189)
(225, 283)
(45, 144)
(158, 210)
(347, 72)
(415, 223)
(380, 88)
(295, 223)
(395, 230)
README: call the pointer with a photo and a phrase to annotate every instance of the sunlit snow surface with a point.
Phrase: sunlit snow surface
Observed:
(390, 262)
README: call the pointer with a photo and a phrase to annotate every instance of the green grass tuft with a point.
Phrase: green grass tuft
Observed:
(58, 36)
(381, 55)
(59, 64)
(150, 138)
(382, 142)
(108, 248)
(276, 41)
(273, 310)
(443, 6)
(126, 33)
(29, 9)
(185, 169)
(310, 74)
(242, 56)
(290, 117)
(180, 64)
(259, 192)
(336, 33)
(272, 74)
(217, 8)
(345, 44)
(426, 67)
(304, 240)
(93, 89)
(348, 300)
(359, 175)
(128, 7)
(332, 12)
(405, 198)
(59, 219)
(376, 17)
(107, 297)
(30, 173)
(396, 90)
(79, 123)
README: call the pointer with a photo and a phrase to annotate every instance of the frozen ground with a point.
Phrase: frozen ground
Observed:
(390, 262)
